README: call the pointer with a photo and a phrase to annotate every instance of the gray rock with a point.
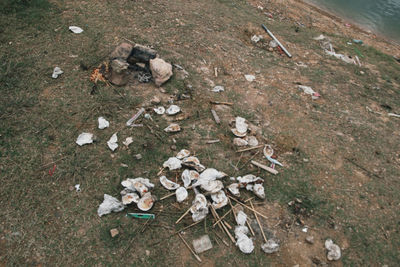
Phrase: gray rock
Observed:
(122, 51)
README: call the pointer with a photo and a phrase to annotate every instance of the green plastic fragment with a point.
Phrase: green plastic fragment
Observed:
(141, 215)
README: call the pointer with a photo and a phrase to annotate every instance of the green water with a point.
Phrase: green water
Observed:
(379, 16)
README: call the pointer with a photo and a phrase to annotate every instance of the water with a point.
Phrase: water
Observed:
(379, 16)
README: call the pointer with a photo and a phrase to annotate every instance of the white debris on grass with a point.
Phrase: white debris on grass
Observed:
(128, 141)
(110, 204)
(75, 29)
(250, 77)
(309, 91)
(173, 109)
(84, 138)
(112, 142)
(56, 72)
(218, 89)
(334, 252)
(103, 123)
(172, 163)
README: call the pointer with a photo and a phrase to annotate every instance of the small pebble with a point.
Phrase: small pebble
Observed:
(147, 253)
(114, 232)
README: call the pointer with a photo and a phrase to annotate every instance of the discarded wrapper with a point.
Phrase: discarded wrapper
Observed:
(56, 72)
(141, 215)
(112, 143)
(110, 204)
(84, 138)
(103, 123)
(75, 29)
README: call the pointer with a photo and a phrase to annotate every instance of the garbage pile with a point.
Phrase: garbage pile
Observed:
(129, 60)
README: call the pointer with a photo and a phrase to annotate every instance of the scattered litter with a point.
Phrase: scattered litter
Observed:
(256, 38)
(172, 128)
(319, 38)
(270, 246)
(184, 153)
(173, 109)
(334, 252)
(218, 89)
(394, 115)
(308, 90)
(342, 57)
(168, 184)
(241, 127)
(305, 229)
(112, 143)
(181, 194)
(75, 29)
(141, 215)
(273, 44)
(239, 142)
(172, 163)
(114, 232)
(84, 138)
(159, 110)
(202, 244)
(146, 202)
(138, 156)
(277, 41)
(110, 204)
(357, 41)
(250, 77)
(129, 198)
(160, 70)
(199, 208)
(244, 243)
(103, 123)
(56, 72)
(135, 117)
(77, 188)
(215, 116)
(128, 141)
(266, 168)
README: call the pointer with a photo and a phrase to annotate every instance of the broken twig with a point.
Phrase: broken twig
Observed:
(264, 167)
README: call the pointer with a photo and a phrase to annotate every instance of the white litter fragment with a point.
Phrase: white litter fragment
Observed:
(56, 72)
(112, 143)
(202, 244)
(250, 77)
(168, 184)
(75, 29)
(334, 252)
(159, 110)
(218, 89)
(239, 142)
(256, 38)
(103, 123)
(234, 189)
(342, 57)
(172, 164)
(77, 188)
(244, 243)
(172, 128)
(110, 204)
(181, 194)
(173, 109)
(241, 218)
(184, 153)
(84, 138)
(394, 115)
(135, 117)
(130, 198)
(259, 190)
(220, 199)
(319, 38)
(270, 246)
(128, 141)
(308, 90)
(241, 125)
(146, 202)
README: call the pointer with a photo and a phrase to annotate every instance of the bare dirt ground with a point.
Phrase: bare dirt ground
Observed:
(341, 152)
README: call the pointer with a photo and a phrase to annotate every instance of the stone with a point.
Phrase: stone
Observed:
(310, 239)
(114, 232)
(155, 100)
(122, 51)
(138, 156)
(119, 74)
(160, 70)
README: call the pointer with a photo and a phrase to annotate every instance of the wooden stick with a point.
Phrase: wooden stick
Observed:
(191, 250)
(228, 225)
(249, 160)
(250, 148)
(162, 169)
(215, 214)
(251, 229)
(215, 115)
(221, 103)
(223, 216)
(264, 167)
(247, 207)
(223, 240)
(258, 221)
(213, 141)
(183, 215)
